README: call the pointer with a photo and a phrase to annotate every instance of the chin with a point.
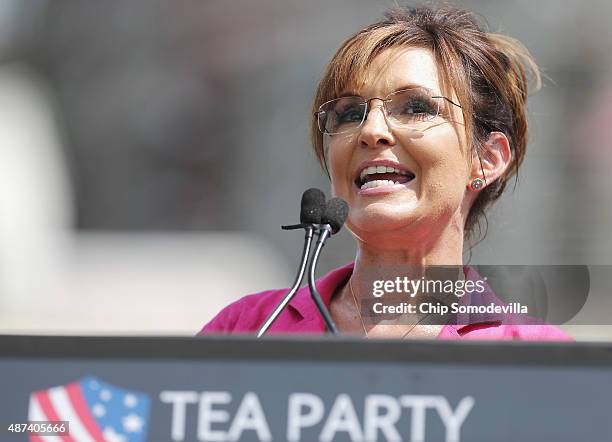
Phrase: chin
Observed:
(370, 221)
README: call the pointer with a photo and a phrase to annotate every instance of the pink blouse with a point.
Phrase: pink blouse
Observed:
(246, 315)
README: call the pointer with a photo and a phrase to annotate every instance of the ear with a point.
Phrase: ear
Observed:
(493, 160)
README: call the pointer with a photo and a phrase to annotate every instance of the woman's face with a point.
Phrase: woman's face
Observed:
(433, 160)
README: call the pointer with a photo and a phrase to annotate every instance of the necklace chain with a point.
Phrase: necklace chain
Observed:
(365, 332)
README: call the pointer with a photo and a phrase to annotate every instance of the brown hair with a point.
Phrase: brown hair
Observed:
(488, 73)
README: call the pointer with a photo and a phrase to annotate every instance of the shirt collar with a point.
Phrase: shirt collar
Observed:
(327, 285)
(487, 296)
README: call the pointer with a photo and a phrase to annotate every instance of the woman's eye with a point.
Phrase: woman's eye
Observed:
(351, 115)
(418, 107)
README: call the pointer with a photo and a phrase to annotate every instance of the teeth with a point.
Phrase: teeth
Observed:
(380, 169)
(378, 183)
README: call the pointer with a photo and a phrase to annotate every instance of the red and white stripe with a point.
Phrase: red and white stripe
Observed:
(64, 403)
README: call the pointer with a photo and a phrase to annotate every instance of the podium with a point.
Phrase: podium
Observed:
(305, 389)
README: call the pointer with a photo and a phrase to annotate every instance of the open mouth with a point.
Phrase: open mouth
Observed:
(379, 176)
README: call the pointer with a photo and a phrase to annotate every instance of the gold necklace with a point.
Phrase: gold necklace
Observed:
(361, 318)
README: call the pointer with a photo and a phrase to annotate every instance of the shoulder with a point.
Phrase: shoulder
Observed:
(496, 331)
(244, 315)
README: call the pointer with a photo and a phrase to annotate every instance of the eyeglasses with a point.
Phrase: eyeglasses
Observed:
(412, 108)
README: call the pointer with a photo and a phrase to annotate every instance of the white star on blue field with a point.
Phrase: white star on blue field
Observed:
(120, 414)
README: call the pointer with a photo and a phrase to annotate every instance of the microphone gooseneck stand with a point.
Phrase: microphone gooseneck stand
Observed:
(298, 280)
(324, 218)
(312, 206)
(324, 232)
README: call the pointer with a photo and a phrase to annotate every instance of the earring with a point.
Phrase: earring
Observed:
(477, 184)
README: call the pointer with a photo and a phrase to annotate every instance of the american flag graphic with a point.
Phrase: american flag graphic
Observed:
(96, 411)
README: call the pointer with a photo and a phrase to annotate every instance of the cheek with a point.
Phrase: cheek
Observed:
(338, 156)
(339, 185)
(444, 170)
(445, 183)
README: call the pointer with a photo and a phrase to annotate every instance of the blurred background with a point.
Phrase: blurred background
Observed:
(150, 150)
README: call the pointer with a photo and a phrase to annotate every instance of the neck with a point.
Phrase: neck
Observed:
(384, 259)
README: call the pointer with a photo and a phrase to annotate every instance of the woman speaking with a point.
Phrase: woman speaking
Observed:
(419, 121)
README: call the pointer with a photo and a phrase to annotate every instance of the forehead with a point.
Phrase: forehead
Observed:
(397, 68)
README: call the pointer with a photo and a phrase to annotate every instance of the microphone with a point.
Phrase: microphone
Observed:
(332, 220)
(336, 212)
(312, 207)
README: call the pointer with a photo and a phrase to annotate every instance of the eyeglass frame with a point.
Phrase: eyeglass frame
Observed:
(367, 104)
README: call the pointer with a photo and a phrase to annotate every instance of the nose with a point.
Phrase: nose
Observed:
(375, 131)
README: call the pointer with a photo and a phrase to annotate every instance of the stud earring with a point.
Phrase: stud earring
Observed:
(477, 184)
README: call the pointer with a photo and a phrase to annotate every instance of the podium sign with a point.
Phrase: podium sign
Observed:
(240, 389)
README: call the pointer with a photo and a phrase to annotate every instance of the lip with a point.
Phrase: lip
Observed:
(383, 190)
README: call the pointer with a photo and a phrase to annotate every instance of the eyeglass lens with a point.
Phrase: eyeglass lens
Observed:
(408, 108)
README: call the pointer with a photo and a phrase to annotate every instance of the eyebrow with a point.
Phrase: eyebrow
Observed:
(352, 93)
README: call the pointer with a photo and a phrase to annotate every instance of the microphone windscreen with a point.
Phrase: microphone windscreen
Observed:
(335, 214)
(313, 206)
